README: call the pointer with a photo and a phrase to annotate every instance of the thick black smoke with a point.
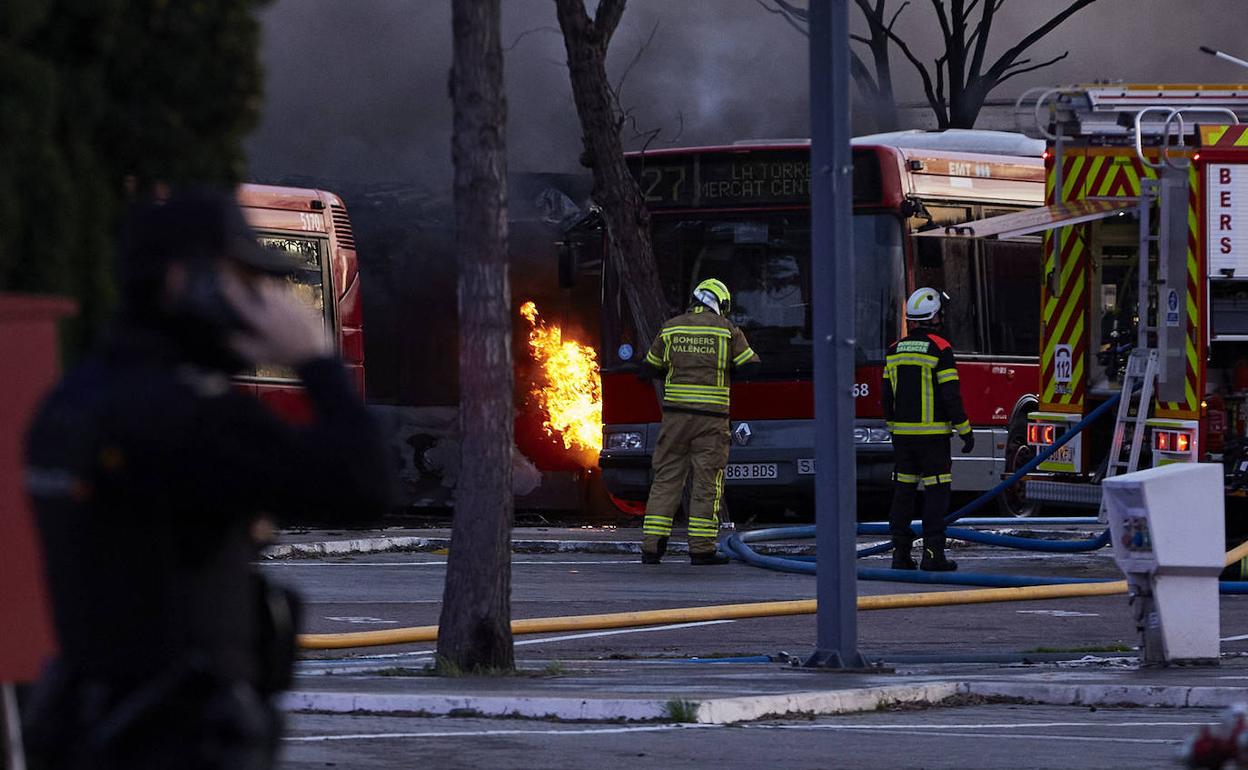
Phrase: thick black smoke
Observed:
(357, 102)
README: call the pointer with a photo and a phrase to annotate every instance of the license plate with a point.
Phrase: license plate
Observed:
(1065, 454)
(749, 471)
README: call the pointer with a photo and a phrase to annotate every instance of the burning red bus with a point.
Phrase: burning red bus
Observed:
(741, 213)
(313, 226)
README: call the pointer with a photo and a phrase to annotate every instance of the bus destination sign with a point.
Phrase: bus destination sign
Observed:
(724, 179)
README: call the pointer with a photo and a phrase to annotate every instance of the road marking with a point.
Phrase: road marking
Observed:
(1018, 737)
(543, 640)
(362, 620)
(1059, 613)
(494, 733)
(1239, 638)
(302, 563)
(922, 726)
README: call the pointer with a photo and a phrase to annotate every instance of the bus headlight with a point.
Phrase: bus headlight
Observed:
(863, 435)
(626, 440)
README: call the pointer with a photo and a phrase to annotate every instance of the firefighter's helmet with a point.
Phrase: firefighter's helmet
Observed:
(714, 294)
(925, 304)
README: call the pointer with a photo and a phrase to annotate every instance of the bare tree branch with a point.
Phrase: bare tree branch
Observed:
(641, 50)
(860, 39)
(998, 68)
(607, 18)
(924, 75)
(527, 32)
(1032, 68)
(897, 13)
(788, 16)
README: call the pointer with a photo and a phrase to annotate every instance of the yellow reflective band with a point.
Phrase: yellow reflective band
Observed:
(905, 478)
(913, 359)
(719, 492)
(946, 478)
(678, 398)
(963, 428)
(927, 407)
(654, 360)
(919, 428)
(714, 330)
(721, 361)
(655, 517)
(946, 375)
(746, 356)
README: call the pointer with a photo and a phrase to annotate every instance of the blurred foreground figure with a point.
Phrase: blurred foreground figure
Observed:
(148, 471)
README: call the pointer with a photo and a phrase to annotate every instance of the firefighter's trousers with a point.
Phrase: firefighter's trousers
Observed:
(920, 461)
(696, 443)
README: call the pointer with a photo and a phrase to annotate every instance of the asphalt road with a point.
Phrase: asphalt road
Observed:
(380, 591)
(974, 736)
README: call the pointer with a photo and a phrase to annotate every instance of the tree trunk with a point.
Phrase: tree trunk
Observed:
(475, 625)
(615, 189)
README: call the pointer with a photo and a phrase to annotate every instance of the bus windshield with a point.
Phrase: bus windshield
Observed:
(764, 258)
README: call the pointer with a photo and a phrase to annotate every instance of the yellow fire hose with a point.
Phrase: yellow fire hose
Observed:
(736, 612)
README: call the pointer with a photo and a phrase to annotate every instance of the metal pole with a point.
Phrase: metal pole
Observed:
(831, 200)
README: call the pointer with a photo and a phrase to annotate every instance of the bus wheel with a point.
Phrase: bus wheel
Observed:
(1018, 452)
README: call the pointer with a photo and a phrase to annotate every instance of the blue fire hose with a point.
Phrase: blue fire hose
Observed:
(735, 545)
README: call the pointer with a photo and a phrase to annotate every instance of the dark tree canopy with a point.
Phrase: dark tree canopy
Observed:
(100, 101)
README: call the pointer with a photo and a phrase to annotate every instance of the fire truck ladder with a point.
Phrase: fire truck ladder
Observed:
(1133, 408)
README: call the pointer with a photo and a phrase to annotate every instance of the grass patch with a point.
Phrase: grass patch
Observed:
(1119, 647)
(680, 710)
(554, 668)
(400, 671)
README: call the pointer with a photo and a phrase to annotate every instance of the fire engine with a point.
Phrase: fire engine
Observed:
(1145, 282)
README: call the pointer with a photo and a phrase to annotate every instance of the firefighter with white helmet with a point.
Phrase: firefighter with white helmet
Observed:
(922, 404)
(696, 353)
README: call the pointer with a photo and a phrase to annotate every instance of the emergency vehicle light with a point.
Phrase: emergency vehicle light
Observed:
(1039, 433)
(1172, 441)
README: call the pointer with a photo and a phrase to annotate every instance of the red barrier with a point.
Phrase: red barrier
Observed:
(29, 362)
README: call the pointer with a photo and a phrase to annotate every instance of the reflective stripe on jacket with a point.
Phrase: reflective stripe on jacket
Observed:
(698, 350)
(920, 393)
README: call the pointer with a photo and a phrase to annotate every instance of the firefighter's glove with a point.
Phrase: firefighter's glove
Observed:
(968, 442)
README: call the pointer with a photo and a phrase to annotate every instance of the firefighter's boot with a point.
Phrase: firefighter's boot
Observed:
(708, 558)
(902, 559)
(655, 556)
(934, 559)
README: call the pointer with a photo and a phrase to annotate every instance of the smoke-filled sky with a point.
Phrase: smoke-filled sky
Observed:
(357, 90)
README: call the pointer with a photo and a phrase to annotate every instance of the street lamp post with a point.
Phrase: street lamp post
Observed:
(831, 197)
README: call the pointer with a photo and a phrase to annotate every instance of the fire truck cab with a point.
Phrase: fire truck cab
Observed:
(1144, 294)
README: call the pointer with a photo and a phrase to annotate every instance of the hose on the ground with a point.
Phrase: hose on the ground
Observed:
(742, 611)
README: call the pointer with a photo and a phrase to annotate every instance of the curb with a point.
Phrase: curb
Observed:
(426, 544)
(724, 711)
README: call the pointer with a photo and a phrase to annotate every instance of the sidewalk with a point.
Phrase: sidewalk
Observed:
(726, 693)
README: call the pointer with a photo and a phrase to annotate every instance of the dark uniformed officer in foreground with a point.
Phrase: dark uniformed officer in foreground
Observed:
(148, 470)
(696, 353)
(922, 404)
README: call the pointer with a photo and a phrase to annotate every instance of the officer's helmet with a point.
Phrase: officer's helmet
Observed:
(714, 294)
(925, 304)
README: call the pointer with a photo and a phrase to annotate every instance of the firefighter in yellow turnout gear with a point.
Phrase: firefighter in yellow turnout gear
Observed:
(695, 353)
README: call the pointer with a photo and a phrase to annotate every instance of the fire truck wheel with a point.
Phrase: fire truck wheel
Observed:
(1017, 452)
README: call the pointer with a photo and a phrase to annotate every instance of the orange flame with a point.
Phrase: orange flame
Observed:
(569, 392)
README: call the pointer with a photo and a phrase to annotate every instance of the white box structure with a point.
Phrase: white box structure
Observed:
(1168, 528)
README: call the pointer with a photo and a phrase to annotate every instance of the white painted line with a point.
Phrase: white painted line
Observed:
(1018, 737)
(1239, 638)
(980, 726)
(1059, 613)
(493, 733)
(429, 563)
